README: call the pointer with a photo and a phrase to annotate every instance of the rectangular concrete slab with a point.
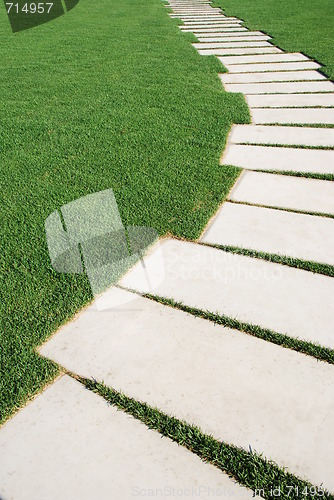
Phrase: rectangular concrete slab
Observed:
(246, 50)
(219, 45)
(325, 100)
(209, 20)
(238, 39)
(238, 388)
(284, 191)
(282, 57)
(280, 87)
(69, 443)
(241, 36)
(300, 236)
(272, 76)
(191, 9)
(294, 136)
(291, 115)
(210, 24)
(248, 289)
(279, 66)
(208, 17)
(280, 159)
(214, 30)
(193, 13)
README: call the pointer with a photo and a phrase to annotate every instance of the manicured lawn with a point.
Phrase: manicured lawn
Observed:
(301, 26)
(111, 95)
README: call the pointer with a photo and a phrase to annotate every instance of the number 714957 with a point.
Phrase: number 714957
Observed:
(30, 8)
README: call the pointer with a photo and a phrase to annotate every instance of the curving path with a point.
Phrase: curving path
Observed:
(242, 389)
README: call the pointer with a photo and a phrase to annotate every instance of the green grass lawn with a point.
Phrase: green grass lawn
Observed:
(110, 95)
(301, 26)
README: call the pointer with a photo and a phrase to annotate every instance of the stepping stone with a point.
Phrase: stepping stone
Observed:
(290, 100)
(77, 446)
(292, 115)
(214, 30)
(301, 236)
(251, 290)
(240, 36)
(282, 57)
(204, 18)
(284, 191)
(194, 12)
(219, 45)
(240, 389)
(209, 28)
(215, 18)
(279, 87)
(191, 12)
(208, 23)
(271, 76)
(195, 27)
(280, 66)
(246, 50)
(294, 136)
(279, 159)
(229, 39)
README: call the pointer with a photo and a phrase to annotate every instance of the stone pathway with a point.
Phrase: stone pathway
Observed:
(243, 390)
(70, 444)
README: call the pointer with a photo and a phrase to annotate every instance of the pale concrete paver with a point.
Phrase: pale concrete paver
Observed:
(239, 39)
(195, 9)
(194, 12)
(284, 191)
(280, 159)
(271, 76)
(191, 12)
(294, 136)
(246, 50)
(209, 24)
(219, 45)
(250, 290)
(233, 30)
(241, 389)
(301, 236)
(76, 446)
(291, 115)
(209, 17)
(290, 100)
(279, 66)
(281, 57)
(240, 36)
(280, 87)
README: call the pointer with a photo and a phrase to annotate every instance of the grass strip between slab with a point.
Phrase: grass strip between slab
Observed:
(309, 348)
(306, 265)
(249, 468)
